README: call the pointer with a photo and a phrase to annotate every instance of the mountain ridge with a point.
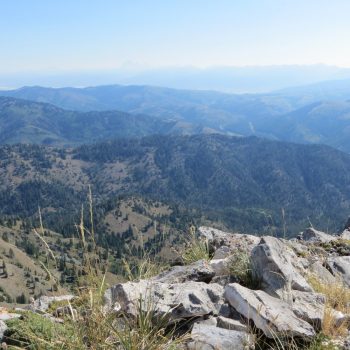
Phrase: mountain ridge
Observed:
(243, 182)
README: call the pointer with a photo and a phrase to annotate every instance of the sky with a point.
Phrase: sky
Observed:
(78, 35)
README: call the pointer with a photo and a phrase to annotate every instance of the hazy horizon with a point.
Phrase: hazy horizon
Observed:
(234, 79)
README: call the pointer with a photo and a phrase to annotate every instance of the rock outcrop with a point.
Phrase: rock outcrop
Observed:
(250, 283)
(177, 300)
(340, 266)
(207, 337)
(274, 264)
(273, 316)
(200, 271)
(312, 235)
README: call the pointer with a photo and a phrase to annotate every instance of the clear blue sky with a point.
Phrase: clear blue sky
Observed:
(53, 35)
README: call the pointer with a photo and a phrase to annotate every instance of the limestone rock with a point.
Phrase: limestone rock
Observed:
(43, 303)
(206, 337)
(177, 300)
(231, 324)
(217, 239)
(272, 262)
(321, 272)
(200, 271)
(272, 315)
(340, 265)
(222, 252)
(309, 307)
(221, 267)
(312, 235)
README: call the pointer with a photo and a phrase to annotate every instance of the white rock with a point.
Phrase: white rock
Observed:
(206, 337)
(221, 267)
(340, 265)
(272, 262)
(309, 307)
(43, 303)
(312, 235)
(217, 239)
(272, 315)
(222, 252)
(178, 300)
(321, 272)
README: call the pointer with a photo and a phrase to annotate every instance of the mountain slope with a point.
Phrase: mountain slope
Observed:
(243, 182)
(321, 122)
(31, 122)
(226, 112)
(311, 114)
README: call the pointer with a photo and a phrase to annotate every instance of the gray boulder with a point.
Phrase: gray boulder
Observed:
(321, 272)
(207, 337)
(221, 267)
(42, 304)
(272, 315)
(222, 252)
(309, 307)
(312, 235)
(177, 300)
(200, 271)
(218, 239)
(274, 266)
(340, 266)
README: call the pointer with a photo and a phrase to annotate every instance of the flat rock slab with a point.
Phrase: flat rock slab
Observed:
(207, 337)
(272, 315)
(273, 266)
(178, 300)
(200, 271)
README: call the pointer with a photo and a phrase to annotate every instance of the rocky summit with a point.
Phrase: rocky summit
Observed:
(252, 292)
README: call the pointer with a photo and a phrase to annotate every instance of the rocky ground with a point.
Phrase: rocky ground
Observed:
(254, 292)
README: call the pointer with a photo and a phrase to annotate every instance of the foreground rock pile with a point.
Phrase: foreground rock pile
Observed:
(253, 287)
(223, 312)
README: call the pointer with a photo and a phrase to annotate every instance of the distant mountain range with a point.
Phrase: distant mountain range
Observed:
(249, 184)
(248, 79)
(24, 121)
(317, 113)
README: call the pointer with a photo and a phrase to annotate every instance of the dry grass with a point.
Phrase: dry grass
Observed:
(195, 248)
(89, 325)
(337, 298)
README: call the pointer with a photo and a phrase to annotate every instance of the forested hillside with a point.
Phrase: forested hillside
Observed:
(40, 123)
(316, 114)
(248, 184)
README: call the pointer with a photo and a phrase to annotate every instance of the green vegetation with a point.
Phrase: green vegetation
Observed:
(194, 249)
(240, 182)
